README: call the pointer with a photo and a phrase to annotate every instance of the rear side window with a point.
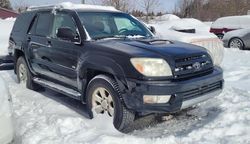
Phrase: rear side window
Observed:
(43, 24)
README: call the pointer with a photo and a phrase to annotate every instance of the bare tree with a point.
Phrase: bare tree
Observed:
(20, 5)
(94, 2)
(122, 5)
(5, 4)
(149, 6)
(209, 10)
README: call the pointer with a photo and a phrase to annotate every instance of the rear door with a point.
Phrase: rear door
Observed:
(39, 43)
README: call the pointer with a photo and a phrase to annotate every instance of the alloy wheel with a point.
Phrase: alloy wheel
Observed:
(236, 43)
(22, 73)
(102, 102)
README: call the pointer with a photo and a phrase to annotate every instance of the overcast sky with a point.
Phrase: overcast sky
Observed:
(167, 5)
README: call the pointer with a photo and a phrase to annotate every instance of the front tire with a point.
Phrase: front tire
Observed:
(236, 43)
(103, 97)
(24, 75)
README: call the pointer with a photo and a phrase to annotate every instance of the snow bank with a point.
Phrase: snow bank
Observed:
(6, 27)
(6, 127)
(4, 96)
(208, 23)
(166, 17)
(166, 29)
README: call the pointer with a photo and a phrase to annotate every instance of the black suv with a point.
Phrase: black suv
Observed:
(111, 62)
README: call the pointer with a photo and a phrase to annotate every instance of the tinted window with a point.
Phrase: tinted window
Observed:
(43, 24)
(32, 28)
(63, 20)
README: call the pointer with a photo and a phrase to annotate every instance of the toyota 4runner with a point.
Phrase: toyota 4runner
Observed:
(111, 62)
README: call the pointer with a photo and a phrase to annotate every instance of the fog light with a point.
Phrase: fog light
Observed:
(151, 99)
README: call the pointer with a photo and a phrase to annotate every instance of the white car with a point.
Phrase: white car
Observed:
(189, 30)
(6, 122)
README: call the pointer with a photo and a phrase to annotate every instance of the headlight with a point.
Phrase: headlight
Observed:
(152, 67)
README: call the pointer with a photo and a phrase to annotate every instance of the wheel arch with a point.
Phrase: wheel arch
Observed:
(92, 66)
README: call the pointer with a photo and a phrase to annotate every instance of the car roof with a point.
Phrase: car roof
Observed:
(234, 17)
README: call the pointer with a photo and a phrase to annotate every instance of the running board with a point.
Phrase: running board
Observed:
(59, 88)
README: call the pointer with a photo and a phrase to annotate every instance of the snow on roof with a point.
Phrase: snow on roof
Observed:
(69, 5)
(233, 17)
(233, 22)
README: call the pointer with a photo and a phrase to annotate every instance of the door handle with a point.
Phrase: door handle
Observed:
(48, 43)
(28, 39)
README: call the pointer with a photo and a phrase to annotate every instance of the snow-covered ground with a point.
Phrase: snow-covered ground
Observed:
(49, 118)
(5, 29)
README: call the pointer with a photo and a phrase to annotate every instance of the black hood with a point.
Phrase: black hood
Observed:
(167, 48)
(161, 47)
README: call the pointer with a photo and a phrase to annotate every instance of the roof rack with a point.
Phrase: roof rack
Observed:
(69, 5)
(44, 7)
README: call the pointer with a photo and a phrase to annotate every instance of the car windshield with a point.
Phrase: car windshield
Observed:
(101, 25)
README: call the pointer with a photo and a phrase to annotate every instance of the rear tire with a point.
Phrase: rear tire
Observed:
(24, 75)
(122, 117)
(237, 43)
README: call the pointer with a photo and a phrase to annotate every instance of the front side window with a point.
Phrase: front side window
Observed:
(43, 24)
(111, 24)
(63, 20)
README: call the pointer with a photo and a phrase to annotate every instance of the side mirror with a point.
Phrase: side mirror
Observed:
(68, 34)
(152, 29)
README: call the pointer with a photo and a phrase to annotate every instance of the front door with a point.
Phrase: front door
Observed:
(65, 53)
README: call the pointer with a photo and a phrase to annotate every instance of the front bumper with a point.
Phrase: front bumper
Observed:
(184, 93)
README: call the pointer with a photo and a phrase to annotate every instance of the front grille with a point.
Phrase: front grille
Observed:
(201, 91)
(193, 66)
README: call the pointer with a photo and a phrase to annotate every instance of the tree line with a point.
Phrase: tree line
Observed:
(210, 10)
(206, 10)
(138, 8)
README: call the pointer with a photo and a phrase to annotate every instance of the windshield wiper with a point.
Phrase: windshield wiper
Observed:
(121, 37)
(113, 36)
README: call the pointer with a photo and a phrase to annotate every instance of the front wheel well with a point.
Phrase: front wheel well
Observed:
(90, 74)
